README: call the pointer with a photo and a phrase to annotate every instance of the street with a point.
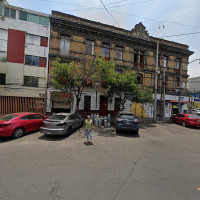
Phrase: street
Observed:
(163, 162)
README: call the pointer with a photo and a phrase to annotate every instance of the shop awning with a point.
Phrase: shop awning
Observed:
(175, 101)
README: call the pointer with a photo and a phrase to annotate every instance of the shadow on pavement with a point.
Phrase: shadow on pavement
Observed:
(106, 132)
(5, 139)
(146, 124)
(9, 139)
(56, 137)
(128, 134)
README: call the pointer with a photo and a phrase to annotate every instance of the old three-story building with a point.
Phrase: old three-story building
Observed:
(84, 39)
(24, 49)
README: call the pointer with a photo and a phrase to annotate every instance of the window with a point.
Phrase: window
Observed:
(44, 20)
(42, 62)
(136, 59)
(142, 59)
(177, 82)
(32, 60)
(30, 81)
(117, 104)
(23, 16)
(11, 13)
(177, 63)
(139, 79)
(87, 103)
(165, 58)
(33, 18)
(106, 50)
(119, 52)
(27, 117)
(89, 47)
(1, 7)
(64, 45)
(2, 79)
(33, 39)
(44, 42)
(3, 56)
(38, 117)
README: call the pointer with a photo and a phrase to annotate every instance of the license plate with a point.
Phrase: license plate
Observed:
(47, 132)
(127, 122)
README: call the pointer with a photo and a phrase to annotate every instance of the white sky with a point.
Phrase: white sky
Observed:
(179, 11)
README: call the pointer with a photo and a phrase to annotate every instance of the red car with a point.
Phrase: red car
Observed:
(17, 124)
(186, 119)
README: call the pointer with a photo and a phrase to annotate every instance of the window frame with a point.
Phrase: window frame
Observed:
(90, 47)
(106, 48)
(9, 12)
(178, 60)
(119, 52)
(165, 61)
(65, 49)
(33, 60)
(2, 75)
(31, 81)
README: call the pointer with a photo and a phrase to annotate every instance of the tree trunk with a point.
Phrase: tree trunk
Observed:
(77, 105)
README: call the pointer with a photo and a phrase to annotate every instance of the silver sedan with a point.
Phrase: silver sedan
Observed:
(61, 124)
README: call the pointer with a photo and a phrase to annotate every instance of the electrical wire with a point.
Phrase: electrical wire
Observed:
(182, 34)
(146, 18)
(109, 13)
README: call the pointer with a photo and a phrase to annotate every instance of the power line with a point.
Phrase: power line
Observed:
(181, 34)
(96, 8)
(109, 13)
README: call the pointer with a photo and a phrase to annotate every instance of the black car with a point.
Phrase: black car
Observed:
(127, 122)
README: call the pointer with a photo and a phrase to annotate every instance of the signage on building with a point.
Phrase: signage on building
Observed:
(191, 99)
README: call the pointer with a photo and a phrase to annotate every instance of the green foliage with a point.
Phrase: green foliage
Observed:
(123, 84)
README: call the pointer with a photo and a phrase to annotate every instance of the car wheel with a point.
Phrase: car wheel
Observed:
(183, 124)
(136, 132)
(69, 130)
(117, 130)
(19, 132)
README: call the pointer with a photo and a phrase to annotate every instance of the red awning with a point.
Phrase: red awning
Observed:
(175, 101)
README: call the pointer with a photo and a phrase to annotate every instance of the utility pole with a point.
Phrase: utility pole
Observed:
(164, 85)
(156, 84)
(180, 87)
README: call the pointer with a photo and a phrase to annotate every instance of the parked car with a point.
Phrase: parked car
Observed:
(186, 119)
(127, 122)
(61, 124)
(194, 111)
(17, 124)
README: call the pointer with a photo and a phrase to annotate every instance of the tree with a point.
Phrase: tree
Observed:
(123, 84)
(73, 77)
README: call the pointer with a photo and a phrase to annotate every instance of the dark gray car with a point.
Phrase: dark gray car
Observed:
(61, 124)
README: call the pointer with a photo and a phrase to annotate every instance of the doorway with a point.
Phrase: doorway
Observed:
(103, 111)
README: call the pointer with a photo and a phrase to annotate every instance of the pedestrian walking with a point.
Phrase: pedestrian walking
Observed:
(88, 126)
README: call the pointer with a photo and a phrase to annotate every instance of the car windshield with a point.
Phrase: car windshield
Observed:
(193, 116)
(127, 116)
(8, 117)
(57, 117)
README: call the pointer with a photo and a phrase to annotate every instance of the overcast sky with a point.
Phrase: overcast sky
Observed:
(127, 13)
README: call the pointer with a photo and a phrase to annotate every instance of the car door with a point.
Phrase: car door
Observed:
(180, 118)
(28, 122)
(72, 121)
(176, 119)
(38, 119)
(77, 121)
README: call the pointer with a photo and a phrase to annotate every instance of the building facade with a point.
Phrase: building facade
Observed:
(24, 49)
(194, 88)
(85, 39)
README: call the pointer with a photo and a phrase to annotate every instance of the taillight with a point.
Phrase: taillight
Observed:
(119, 120)
(135, 120)
(61, 124)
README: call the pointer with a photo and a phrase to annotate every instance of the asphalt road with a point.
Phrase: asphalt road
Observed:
(162, 163)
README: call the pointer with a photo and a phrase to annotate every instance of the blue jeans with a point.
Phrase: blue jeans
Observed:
(89, 134)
